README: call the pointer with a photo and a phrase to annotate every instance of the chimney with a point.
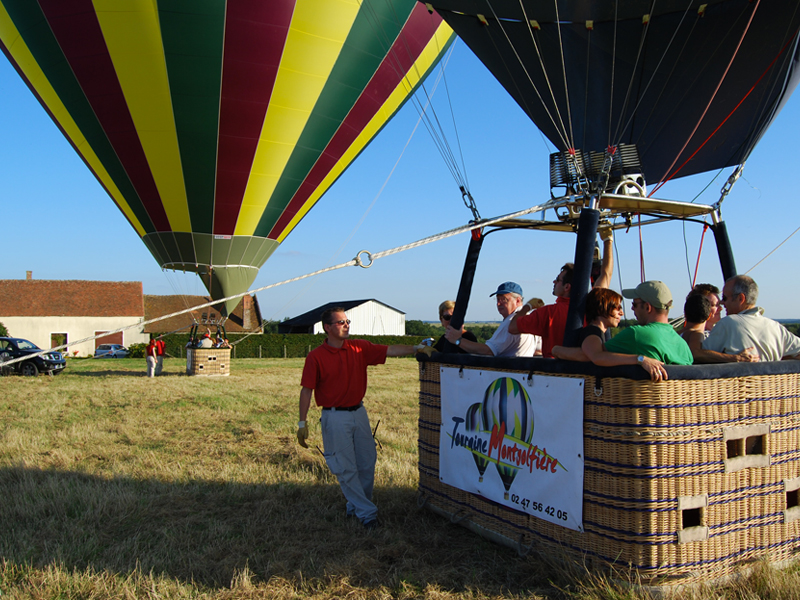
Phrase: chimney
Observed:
(28, 275)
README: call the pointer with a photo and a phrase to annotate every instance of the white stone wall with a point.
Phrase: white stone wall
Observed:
(39, 329)
(373, 318)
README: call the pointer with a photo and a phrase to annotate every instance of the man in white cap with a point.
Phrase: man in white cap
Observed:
(502, 343)
(653, 336)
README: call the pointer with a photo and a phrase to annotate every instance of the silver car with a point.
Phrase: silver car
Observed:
(111, 351)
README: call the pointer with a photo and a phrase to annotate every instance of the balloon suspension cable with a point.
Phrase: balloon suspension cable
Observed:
(699, 252)
(579, 176)
(469, 202)
(357, 261)
(641, 250)
(708, 106)
(726, 189)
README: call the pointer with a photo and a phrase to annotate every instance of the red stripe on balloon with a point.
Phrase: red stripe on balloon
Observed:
(77, 30)
(413, 39)
(255, 35)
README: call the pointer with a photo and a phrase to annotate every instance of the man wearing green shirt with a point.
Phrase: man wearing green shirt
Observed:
(653, 336)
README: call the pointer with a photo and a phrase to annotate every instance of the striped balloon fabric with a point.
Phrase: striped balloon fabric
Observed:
(216, 125)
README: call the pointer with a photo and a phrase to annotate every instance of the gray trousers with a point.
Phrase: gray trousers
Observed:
(351, 455)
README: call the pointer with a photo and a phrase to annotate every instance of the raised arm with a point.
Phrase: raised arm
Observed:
(607, 266)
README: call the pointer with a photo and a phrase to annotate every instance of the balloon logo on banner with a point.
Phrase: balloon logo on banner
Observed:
(473, 424)
(506, 403)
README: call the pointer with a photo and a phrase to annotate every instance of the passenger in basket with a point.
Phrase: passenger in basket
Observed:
(746, 327)
(697, 310)
(445, 314)
(205, 341)
(503, 343)
(604, 311)
(653, 336)
(548, 321)
(713, 294)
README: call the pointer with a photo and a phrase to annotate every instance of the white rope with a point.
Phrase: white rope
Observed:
(354, 262)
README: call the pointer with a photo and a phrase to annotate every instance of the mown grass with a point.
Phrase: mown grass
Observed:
(113, 485)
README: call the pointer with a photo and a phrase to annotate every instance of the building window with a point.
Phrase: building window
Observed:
(59, 339)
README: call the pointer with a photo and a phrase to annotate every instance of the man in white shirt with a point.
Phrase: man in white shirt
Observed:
(502, 343)
(745, 326)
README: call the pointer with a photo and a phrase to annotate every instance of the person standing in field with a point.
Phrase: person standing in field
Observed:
(335, 373)
(155, 357)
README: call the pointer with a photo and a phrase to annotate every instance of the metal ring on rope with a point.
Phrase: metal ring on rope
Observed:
(422, 500)
(360, 262)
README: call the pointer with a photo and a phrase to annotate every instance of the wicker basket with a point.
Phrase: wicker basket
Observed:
(684, 480)
(208, 361)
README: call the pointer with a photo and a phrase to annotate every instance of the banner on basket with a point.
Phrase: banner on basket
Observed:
(516, 440)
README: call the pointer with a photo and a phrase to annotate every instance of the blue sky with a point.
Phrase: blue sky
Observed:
(59, 223)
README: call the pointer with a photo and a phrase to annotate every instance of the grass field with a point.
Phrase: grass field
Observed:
(113, 485)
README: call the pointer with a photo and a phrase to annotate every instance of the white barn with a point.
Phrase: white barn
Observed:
(368, 317)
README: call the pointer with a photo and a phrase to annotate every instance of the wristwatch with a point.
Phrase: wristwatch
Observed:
(640, 359)
(457, 342)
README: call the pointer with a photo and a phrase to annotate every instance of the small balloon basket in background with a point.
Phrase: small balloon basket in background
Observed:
(208, 361)
(689, 480)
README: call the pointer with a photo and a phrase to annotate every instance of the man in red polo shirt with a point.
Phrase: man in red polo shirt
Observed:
(548, 321)
(336, 374)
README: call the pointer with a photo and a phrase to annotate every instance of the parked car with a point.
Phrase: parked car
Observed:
(51, 362)
(111, 351)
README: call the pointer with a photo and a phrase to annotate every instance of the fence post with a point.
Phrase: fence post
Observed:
(284, 351)
(234, 352)
(259, 352)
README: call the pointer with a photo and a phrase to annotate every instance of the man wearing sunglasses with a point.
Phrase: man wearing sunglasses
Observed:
(745, 326)
(335, 373)
(653, 336)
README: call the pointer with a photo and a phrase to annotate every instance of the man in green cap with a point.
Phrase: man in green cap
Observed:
(653, 336)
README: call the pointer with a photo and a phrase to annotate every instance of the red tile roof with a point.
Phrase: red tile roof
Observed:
(246, 316)
(71, 298)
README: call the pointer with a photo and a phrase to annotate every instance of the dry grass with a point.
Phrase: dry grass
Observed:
(113, 485)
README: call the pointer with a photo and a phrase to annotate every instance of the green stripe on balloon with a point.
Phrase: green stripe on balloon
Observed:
(193, 53)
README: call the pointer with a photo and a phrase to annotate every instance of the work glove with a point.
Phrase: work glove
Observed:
(607, 234)
(302, 434)
(424, 348)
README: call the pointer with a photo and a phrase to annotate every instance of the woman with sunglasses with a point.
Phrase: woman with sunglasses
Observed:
(604, 311)
(445, 314)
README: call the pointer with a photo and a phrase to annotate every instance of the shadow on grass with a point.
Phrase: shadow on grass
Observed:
(206, 533)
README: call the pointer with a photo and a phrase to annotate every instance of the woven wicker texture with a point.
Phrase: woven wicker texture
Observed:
(208, 361)
(646, 446)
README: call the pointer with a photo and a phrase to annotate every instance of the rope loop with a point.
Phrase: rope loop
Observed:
(360, 262)
(457, 517)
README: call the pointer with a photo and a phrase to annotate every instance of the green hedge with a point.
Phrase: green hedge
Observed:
(279, 345)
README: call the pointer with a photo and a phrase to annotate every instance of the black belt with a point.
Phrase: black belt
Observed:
(347, 408)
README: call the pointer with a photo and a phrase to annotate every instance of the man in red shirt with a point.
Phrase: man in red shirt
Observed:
(336, 374)
(548, 321)
(155, 357)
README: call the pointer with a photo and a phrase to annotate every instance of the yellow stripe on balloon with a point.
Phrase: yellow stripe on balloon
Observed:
(27, 63)
(317, 33)
(426, 59)
(133, 37)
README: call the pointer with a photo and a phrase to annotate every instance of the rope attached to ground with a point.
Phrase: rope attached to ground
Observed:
(357, 261)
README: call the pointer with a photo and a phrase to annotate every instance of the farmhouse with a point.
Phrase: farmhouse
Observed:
(369, 317)
(51, 312)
